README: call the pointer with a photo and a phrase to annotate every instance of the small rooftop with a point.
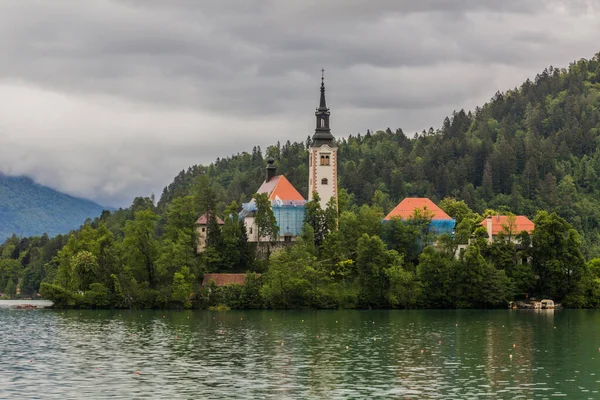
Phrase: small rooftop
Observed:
(203, 220)
(224, 279)
(406, 208)
(500, 222)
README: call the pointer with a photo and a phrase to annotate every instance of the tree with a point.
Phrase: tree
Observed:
(11, 288)
(181, 217)
(404, 288)
(371, 260)
(436, 274)
(403, 238)
(470, 278)
(265, 218)
(557, 257)
(141, 246)
(85, 269)
(182, 286)
(331, 216)
(234, 241)
(354, 225)
(315, 216)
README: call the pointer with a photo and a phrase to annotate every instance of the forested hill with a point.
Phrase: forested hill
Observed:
(29, 209)
(534, 147)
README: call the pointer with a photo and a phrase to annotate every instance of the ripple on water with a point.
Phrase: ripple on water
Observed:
(416, 354)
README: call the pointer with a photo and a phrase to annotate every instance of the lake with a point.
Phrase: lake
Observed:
(300, 354)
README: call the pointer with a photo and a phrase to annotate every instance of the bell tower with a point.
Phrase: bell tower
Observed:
(322, 162)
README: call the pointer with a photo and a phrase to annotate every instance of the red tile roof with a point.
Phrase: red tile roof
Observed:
(280, 187)
(203, 220)
(225, 279)
(522, 223)
(406, 208)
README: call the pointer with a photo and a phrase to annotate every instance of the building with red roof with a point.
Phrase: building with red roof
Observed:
(440, 221)
(507, 225)
(287, 204)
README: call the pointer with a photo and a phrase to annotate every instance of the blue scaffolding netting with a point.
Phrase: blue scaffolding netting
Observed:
(288, 213)
(440, 226)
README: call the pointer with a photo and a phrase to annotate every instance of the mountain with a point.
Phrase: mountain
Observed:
(30, 209)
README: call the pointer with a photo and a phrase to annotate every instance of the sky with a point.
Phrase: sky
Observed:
(110, 99)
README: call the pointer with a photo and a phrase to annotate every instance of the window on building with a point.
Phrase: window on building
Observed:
(322, 122)
(324, 159)
(287, 238)
(324, 181)
(251, 230)
(203, 229)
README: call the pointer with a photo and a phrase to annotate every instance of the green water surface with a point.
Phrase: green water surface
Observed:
(300, 354)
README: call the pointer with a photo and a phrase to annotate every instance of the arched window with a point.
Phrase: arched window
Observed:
(324, 181)
(322, 122)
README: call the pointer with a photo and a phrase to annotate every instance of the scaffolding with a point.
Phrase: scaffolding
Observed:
(288, 213)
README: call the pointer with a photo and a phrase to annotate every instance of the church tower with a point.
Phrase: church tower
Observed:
(322, 162)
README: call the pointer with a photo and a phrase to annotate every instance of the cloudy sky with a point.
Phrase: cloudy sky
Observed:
(110, 99)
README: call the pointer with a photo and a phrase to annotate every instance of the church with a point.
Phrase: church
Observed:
(287, 203)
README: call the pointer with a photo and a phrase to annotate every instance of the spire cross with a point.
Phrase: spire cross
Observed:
(322, 73)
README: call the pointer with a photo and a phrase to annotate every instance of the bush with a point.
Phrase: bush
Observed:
(61, 297)
(97, 297)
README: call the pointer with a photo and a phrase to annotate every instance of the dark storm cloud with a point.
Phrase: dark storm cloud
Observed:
(109, 99)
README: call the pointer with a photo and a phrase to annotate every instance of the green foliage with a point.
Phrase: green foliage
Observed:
(182, 287)
(371, 259)
(436, 274)
(529, 149)
(142, 246)
(557, 257)
(315, 217)
(265, 218)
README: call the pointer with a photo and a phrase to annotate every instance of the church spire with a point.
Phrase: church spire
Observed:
(322, 104)
(322, 131)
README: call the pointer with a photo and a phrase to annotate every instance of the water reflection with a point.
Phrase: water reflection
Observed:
(293, 354)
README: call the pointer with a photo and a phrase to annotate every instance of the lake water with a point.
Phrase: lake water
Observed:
(299, 354)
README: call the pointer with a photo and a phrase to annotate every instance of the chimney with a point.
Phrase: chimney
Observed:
(489, 228)
(270, 169)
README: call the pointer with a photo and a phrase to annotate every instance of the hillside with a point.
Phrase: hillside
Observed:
(29, 209)
(528, 149)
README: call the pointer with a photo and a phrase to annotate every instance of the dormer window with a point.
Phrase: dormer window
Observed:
(325, 159)
(324, 181)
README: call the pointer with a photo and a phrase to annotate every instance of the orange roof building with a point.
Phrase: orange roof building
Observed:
(504, 224)
(441, 223)
(287, 205)
(406, 208)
